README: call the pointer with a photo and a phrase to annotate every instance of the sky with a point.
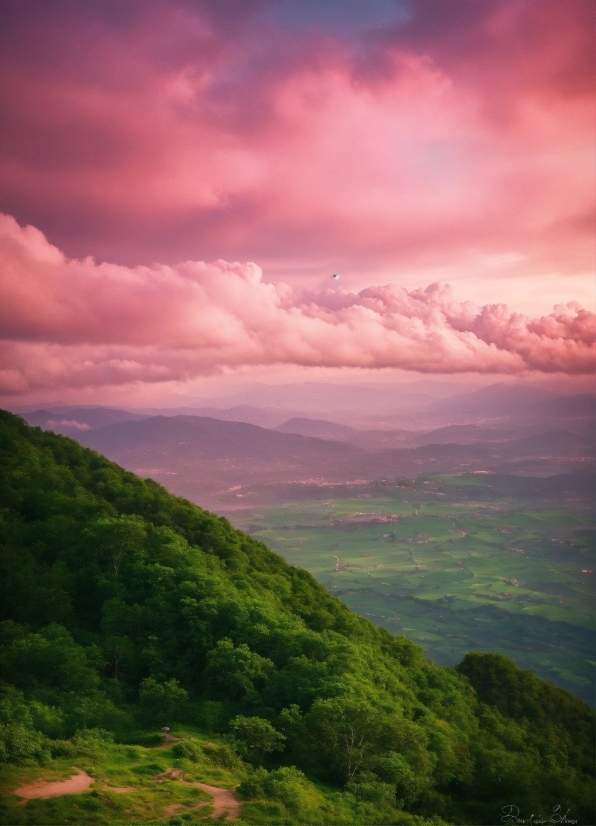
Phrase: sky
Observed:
(180, 179)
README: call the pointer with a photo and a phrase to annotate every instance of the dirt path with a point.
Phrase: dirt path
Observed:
(79, 782)
(223, 800)
(168, 739)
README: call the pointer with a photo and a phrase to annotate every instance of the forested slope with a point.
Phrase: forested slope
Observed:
(124, 606)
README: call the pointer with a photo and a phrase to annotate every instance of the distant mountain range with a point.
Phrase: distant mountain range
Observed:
(321, 397)
(394, 407)
(383, 439)
(205, 457)
(73, 419)
(201, 457)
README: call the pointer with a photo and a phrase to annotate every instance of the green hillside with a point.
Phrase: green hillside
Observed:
(125, 609)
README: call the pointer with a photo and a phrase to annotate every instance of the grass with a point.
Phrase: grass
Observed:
(158, 801)
(117, 766)
(453, 572)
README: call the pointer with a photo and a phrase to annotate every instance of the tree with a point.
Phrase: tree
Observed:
(161, 703)
(347, 728)
(117, 539)
(236, 670)
(255, 737)
(116, 648)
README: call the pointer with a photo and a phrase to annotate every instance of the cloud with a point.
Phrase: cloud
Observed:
(158, 131)
(75, 323)
(72, 423)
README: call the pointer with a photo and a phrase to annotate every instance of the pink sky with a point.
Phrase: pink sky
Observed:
(401, 144)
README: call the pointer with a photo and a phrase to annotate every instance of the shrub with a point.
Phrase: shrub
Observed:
(286, 785)
(21, 745)
(90, 743)
(189, 750)
(223, 755)
(255, 737)
(253, 786)
(367, 786)
(392, 768)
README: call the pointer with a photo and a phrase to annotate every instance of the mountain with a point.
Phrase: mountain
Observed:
(469, 434)
(372, 417)
(417, 406)
(201, 457)
(366, 439)
(497, 406)
(262, 416)
(71, 420)
(496, 400)
(205, 458)
(377, 440)
(320, 428)
(438, 389)
(124, 608)
(314, 397)
(558, 443)
(209, 438)
(578, 405)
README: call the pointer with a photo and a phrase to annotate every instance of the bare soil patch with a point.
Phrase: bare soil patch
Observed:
(223, 800)
(172, 809)
(169, 774)
(79, 782)
(168, 739)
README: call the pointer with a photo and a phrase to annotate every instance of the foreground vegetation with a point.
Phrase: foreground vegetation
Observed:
(152, 785)
(125, 609)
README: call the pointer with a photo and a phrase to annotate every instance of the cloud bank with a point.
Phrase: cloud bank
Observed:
(376, 137)
(75, 323)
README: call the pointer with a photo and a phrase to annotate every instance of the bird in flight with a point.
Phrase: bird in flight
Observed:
(335, 275)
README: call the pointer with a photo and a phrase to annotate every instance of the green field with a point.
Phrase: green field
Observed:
(453, 571)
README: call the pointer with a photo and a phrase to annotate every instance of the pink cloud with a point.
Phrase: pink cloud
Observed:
(73, 323)
(464, 132)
